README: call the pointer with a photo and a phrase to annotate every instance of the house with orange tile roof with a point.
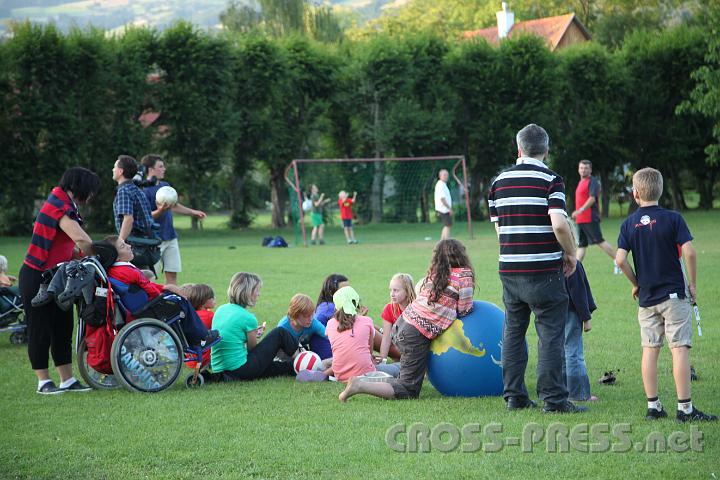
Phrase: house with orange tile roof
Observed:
(558, 32)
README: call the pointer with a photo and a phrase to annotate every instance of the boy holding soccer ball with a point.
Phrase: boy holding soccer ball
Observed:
(163, 214)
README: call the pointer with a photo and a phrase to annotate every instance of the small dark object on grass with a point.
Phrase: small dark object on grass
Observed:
(693, 374)
(608, 378)
(232, 247)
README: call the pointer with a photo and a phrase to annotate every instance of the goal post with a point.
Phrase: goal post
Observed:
(394, 168)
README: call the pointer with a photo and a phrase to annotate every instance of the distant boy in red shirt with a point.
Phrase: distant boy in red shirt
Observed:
(346, 215)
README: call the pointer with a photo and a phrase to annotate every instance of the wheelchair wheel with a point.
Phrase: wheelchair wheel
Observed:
(97, 380)
(189, 381)
(146, 356)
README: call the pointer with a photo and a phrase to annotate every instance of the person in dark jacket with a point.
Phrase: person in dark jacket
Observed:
(57, 237)
(580, 307)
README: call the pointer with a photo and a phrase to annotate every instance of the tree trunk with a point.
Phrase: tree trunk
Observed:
(424, 208)
(278, 196)
(376, 195)
(676, 189)
(604, 195)
(706, 182)
(378, 183)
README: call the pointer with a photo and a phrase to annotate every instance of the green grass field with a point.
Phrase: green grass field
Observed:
(282, 429)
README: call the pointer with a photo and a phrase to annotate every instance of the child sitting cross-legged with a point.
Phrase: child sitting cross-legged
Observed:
(124, 271)
(239, 355)
(300, 320)
(351, 336)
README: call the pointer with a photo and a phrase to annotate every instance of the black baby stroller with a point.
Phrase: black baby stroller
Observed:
(12, 315)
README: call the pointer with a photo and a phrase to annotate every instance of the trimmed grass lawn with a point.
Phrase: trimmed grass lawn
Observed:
(281, 429)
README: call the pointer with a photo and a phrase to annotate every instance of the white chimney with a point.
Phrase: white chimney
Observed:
(505, 21)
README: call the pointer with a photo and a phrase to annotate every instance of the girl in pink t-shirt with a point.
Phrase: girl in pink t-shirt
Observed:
(402, 294)
(351, 336)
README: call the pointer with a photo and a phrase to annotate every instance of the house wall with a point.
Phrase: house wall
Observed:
(572, 36)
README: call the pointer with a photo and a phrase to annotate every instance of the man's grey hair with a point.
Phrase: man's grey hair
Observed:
(533, 141)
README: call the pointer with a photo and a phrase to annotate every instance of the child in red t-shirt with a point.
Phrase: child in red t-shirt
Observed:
(402, 293)
(202, 298)
(346, 215)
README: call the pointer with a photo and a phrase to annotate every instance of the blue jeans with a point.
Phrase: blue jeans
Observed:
(543, 294)
(574, 369)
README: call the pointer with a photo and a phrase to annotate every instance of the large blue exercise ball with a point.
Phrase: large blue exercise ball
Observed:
(465, 359)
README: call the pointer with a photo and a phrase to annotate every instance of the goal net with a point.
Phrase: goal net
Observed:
(391, 190)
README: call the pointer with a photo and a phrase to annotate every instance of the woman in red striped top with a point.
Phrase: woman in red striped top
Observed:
(445, 293)
(57, 232)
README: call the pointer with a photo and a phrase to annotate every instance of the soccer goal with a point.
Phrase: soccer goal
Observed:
(392, 190)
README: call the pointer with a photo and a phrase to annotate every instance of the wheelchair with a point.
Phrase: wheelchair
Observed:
(12, 315)
(148, 352)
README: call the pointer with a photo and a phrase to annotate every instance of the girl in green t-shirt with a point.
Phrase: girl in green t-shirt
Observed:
(239, 355)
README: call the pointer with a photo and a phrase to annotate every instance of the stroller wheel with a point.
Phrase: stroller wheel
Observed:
(18, 338)
(189, 383)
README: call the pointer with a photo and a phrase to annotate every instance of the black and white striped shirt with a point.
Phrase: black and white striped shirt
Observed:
(521, 200)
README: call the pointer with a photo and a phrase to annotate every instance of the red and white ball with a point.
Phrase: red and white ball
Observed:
(307, 361)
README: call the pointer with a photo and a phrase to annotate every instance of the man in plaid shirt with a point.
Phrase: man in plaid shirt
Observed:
(131, 211)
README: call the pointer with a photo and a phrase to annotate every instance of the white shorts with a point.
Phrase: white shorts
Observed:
(170, 256)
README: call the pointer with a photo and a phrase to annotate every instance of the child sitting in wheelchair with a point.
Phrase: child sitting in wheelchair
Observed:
(140, 290)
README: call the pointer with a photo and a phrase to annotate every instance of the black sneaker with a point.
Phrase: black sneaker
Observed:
(520, 403)
(655, 414)
(76, 386)
(608, 378)
(50, 389)
(567, 407)
(693, 374)
(695, 416)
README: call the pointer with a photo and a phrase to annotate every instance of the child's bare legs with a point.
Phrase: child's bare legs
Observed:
(681, 371)
(347, 234)
(352, 234)
(314, 233)
(649, 371)
(321, 233)
(377, 389)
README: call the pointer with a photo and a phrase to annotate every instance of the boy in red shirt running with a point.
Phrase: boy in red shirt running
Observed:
(346, 215)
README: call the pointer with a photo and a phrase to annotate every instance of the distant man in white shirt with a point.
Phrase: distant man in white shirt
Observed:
(443, 203)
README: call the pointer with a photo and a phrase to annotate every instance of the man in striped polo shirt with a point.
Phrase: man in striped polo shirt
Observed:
(527, 204)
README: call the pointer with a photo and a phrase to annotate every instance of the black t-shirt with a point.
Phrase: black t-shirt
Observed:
(654, 236)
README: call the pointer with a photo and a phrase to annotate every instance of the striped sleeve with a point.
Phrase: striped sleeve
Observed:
(556, 197)
(492, 209)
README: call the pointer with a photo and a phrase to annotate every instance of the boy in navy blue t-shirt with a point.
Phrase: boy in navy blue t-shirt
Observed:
(657, 237)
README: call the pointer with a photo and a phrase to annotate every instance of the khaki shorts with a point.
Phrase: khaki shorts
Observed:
(671, 318)
(170, 256)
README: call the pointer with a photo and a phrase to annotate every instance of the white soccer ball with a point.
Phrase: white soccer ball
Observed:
(307, 361)
(307, 205)
(166, 196)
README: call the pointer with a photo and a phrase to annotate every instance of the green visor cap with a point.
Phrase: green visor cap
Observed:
(347, 300)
